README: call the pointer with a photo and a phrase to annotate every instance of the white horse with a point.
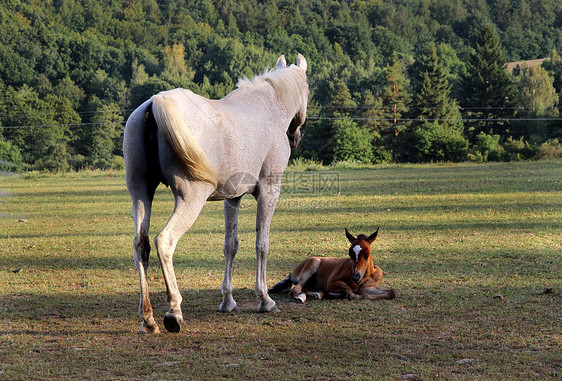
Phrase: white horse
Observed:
(212, 150)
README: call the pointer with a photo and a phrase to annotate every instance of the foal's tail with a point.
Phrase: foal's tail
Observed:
(285, 284)
(181, 139)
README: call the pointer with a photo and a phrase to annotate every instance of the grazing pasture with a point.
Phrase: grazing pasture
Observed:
(474, 252)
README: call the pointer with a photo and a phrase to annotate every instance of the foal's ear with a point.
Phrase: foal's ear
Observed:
(281, 63)
(373, 236)
(301, 62)
(350, 237)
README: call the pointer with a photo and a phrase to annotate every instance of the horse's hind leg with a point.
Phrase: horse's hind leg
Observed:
(141, 214)
(190, 198)
(230, 248)
(300, 276)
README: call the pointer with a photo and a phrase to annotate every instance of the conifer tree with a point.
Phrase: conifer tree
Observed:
(433, 96)
(386, 113)
(437, 133)
(488, 91)
(318, 140)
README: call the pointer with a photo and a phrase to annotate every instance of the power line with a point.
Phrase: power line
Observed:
(320, 107)
(99, 112)
(61, 125)
(397, 120)
(435, 120)
(391, 107)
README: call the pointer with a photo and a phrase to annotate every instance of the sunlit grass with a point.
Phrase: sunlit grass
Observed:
(470, 249)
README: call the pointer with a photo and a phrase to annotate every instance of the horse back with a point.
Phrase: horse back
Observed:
(321, 271)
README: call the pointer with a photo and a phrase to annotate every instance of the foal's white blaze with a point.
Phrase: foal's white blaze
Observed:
(357, 250)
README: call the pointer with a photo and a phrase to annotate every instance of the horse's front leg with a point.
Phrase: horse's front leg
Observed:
(230, 248)
(370, 289)
(189, 202)
(267, 200)
(378, 293)
(339, 288)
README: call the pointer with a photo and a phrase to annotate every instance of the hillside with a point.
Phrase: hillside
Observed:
(73, 70)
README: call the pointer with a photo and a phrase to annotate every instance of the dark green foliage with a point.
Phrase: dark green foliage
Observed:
(437, 142)
(437, 134)
(78, 67)
(352, 143)
(386, 113)
(537, 103)
(10, 157)
(487, 148)
(489, 92)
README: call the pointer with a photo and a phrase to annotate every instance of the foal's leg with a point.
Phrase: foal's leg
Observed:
(190, 198)
(379, 293)
(302, 273)
(267, 200)
(370, 289)
(231, 208)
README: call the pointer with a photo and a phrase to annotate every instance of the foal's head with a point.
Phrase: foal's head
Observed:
(360, 253)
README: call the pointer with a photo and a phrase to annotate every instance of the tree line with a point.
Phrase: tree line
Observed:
(391, 81)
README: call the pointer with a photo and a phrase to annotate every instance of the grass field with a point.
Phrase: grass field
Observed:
(470, 249)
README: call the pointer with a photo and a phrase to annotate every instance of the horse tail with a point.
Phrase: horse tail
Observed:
(182, 140)
(282, 286)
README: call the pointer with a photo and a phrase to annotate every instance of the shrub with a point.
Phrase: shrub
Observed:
(10, 157)
(382, 156)
(434, 142)
(551, 149)
(55, 161)
(118, 163)
(303, 164)
(516, 150)
(487, 147)
(353, 143)
(77, 162)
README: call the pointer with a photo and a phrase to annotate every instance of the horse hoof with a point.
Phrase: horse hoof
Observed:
(270, 307)
(301, 298)
(150, 329)
(228, 308)
(172, 322)
(392, 294)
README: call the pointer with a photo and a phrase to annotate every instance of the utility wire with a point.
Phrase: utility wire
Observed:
(397, 120)
(62, 124)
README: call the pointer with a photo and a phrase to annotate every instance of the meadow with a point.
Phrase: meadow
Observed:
(473, 250)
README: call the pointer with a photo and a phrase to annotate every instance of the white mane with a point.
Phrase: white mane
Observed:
(287, 83)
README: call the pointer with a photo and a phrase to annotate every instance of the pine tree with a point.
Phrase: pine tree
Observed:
(488, 91)
(318, 139)
(437, 132)
(433, 96)
(385, 114)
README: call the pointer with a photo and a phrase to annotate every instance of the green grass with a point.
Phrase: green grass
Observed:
(452, 237)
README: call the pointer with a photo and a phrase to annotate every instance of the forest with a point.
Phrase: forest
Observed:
(390, 81)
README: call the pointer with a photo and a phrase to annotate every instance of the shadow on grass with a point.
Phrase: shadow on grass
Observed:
(458, 226)
(65, 314)
(411, 259)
